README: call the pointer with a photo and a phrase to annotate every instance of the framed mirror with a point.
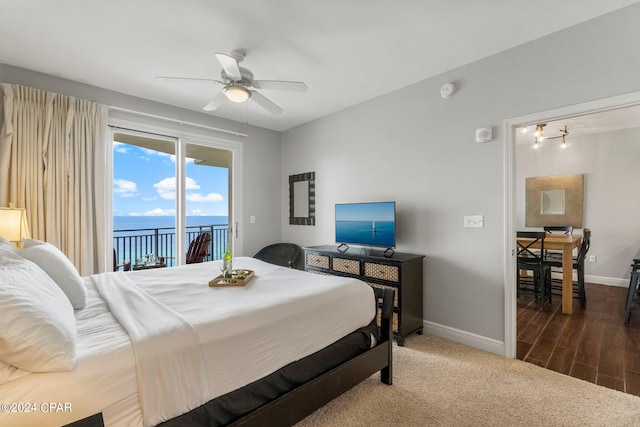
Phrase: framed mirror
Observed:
(554, 200)
(302, 199)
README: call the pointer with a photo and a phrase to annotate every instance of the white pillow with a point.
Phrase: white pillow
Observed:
(37, 324)
(58, 267)
(7, 245)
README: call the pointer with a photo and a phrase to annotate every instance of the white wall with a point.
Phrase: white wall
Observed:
(609, 164)
(414, 147)
(261, 149)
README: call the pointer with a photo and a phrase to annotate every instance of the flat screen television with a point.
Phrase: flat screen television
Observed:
(366, 224)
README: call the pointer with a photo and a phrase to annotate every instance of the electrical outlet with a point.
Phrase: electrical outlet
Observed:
(592, 258)
(252, 219)
(473, 221)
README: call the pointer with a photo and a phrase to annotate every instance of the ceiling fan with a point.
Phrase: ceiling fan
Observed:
(239, 84)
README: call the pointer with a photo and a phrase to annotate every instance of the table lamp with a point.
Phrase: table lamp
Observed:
(13, 225)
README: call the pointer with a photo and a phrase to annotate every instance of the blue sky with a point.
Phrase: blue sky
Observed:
(144, 183)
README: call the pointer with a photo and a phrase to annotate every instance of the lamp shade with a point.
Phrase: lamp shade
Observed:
(13, 225)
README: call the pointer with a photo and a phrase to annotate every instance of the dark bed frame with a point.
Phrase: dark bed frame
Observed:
(300, 402)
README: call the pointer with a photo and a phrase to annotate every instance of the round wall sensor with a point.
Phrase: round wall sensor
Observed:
(447, 90)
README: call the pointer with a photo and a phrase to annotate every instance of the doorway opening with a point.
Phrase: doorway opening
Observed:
(512, 203)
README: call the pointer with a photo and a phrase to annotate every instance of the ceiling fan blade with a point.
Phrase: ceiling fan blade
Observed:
(265, 103)
(215, 102)
(280, 85)
(229, 65)
(189, 79)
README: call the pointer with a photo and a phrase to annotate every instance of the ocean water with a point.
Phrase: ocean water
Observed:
(144, 222)
(361, 233)
(136, 236)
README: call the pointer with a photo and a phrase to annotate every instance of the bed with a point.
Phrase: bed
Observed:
(246, 338)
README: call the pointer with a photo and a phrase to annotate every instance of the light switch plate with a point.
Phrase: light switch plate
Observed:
(473, 221)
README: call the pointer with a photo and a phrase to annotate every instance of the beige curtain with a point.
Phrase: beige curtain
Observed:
(52, 162)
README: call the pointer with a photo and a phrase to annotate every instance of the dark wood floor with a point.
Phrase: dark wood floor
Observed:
(592, 343)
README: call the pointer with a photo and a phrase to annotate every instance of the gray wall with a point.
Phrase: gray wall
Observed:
(413, 147)
(609, 164)
(261, 149)
(418, 149)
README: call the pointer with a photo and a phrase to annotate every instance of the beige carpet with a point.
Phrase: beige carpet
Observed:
(437, 382)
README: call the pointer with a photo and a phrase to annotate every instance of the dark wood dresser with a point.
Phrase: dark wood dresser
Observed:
(401, 272)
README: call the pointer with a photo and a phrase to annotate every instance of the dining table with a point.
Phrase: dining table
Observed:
(565, 243)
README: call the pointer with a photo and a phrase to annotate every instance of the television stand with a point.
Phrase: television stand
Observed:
(401, 273)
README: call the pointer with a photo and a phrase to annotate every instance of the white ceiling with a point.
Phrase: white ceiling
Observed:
(345, 51)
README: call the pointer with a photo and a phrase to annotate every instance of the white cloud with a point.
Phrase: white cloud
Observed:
(191, 184)
(125, 188)
(119, 147)
(160, 212)
(172, 157)
(167, 187)
(198, 197)
(148, 151)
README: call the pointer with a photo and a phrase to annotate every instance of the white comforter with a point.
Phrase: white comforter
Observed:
(245, 333)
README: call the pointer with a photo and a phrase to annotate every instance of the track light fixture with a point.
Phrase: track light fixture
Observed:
(539, 135)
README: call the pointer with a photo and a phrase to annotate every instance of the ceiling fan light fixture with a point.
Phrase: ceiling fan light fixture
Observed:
(237, 93)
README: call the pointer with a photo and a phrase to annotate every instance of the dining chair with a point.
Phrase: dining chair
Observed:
(633, 294)
(532, 260)
(552, 229)
(557, 229)
(555, 261)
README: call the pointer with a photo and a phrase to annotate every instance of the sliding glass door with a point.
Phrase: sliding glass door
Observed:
(171, 200)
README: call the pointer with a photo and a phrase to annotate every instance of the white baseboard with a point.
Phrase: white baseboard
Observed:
(609, 281)
(489, 344)
(463, 337)
(599, 280)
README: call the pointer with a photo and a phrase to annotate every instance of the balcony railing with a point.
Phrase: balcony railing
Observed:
(138, 243)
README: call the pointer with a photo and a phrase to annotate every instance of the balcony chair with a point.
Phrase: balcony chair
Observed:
(125, 265)
(198, 248)
(283, 254)
(555, 260)
(532, 260)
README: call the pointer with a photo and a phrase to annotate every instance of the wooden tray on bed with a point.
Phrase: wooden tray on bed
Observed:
(221, 282)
